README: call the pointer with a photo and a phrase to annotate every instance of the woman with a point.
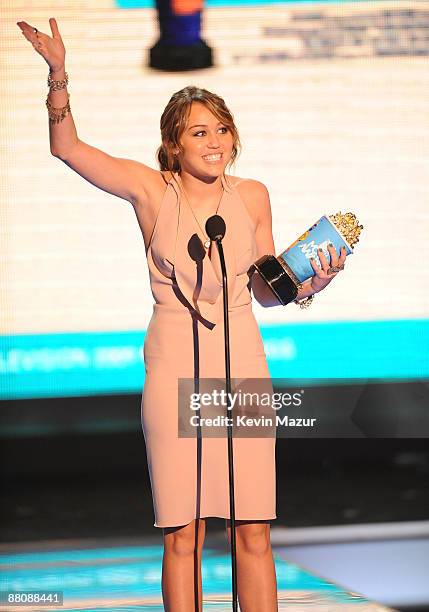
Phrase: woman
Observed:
(189, 477)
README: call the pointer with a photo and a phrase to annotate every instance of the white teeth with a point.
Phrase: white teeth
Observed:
(212, 157)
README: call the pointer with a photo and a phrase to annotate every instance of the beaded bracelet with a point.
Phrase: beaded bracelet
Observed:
(57, 114)
(306, 302)
(57, 85)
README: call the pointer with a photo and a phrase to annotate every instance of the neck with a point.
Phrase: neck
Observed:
(199, 190)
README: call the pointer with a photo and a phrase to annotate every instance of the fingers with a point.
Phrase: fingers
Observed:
(23, 25)
(54, 28)
(333, 253)
(338, 264)
(30, 34)
(26, 28)
(325, 266)
(314, 265)
(323, 261)
(37, 39)
(28, 31)
(343, 255)
(336, 260)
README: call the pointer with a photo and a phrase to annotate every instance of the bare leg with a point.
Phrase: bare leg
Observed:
(181, 567)
(256, 575)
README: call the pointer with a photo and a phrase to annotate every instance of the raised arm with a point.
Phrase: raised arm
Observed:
(124, 178)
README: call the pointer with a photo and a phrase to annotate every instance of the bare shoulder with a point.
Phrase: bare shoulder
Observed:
(155, 183)
(255, 196)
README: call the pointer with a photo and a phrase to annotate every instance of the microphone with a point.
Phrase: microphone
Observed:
(215, 227)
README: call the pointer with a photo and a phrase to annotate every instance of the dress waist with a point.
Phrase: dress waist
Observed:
(160, 308)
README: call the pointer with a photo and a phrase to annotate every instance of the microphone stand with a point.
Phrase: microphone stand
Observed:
(229, 428)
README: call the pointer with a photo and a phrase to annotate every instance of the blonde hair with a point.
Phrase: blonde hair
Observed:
(174, 119)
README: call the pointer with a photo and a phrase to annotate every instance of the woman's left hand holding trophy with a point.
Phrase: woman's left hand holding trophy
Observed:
(310, 263)
(327, 271)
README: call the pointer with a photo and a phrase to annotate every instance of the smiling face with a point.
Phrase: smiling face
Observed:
(207, 143)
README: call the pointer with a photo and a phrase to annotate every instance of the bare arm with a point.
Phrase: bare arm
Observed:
(260, 200)
(124, 178)
(62, 135)
(264, 243)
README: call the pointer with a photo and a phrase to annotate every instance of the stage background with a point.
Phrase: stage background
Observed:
(331, 104)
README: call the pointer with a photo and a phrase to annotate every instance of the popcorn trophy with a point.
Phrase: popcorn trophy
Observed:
(285, 273)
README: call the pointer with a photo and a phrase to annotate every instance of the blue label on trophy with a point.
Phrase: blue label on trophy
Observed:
(297, 255)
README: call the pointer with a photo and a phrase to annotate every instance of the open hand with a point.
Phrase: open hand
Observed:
(50, 48)
(323, 275)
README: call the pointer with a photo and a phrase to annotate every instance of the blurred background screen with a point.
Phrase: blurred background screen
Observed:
(331, 104)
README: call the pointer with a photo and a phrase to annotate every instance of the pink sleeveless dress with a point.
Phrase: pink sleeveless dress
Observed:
(185, 338)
